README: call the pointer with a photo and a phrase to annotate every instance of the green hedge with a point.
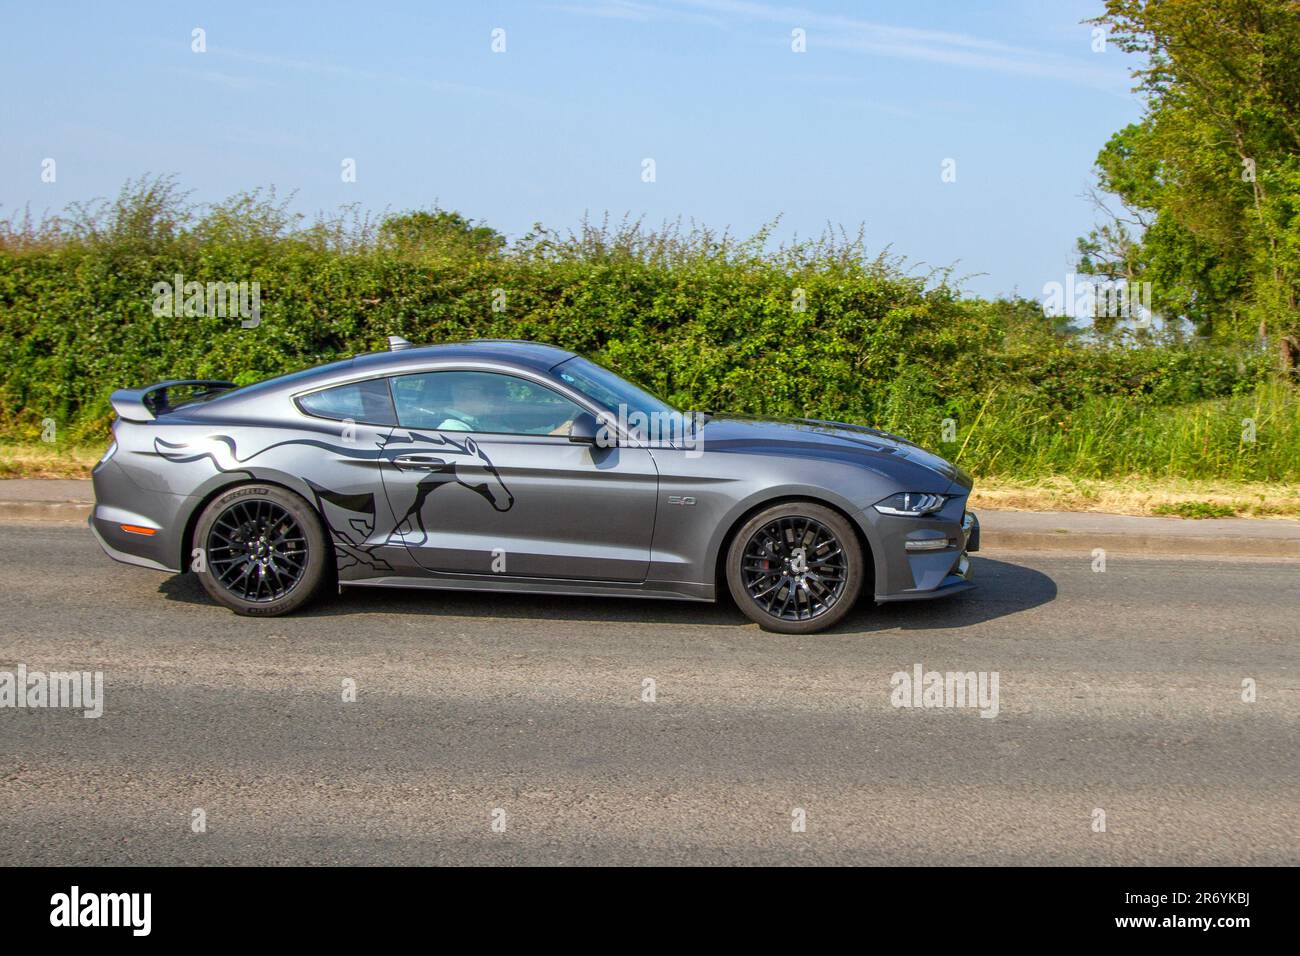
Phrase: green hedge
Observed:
(705, 322)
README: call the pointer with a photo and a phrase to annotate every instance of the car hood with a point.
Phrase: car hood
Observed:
(813, 438)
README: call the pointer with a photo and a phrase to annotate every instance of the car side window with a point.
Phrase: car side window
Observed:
(486, 402)
(366, 402)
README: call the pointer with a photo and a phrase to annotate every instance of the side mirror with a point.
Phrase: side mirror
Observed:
(584, 428)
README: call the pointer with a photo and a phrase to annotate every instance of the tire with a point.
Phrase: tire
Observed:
(265, 552)
(764, 571)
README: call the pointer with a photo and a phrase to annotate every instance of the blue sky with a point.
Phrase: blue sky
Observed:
(741, 128)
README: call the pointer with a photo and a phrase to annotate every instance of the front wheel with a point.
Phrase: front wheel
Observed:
(264, 550)
(795, 568)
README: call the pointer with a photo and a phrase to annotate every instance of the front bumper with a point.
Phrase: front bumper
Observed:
(922, 558)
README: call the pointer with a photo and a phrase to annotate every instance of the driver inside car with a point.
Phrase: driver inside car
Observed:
(474, 400)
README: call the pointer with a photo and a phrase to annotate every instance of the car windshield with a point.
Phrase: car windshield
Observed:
(609, 391)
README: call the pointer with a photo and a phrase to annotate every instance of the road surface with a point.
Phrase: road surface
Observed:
(492, 729)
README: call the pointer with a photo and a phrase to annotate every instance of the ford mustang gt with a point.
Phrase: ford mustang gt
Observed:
(516, 466)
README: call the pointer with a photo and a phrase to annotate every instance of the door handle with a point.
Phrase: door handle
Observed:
(418, 462)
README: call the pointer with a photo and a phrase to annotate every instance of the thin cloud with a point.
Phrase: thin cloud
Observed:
(232, 81)
(634, 11)
(318, 67)
(945, 47)
(332, 69)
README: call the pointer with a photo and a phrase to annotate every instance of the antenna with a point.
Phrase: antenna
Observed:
(396, 343)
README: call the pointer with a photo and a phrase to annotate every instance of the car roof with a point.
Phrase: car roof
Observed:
(533, 355)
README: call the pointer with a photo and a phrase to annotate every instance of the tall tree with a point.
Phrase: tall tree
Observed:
(1213, 169)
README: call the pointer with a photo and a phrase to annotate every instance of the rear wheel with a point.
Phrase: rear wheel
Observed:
(264, 550)
(795, 568)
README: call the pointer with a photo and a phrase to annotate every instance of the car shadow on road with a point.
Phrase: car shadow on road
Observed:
(1004, 588)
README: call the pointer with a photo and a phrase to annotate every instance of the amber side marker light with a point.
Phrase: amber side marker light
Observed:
(136, 529)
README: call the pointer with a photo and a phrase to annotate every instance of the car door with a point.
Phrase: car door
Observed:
(484, 480)
(339, 454)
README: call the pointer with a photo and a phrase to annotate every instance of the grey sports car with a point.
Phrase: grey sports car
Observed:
(515, 466)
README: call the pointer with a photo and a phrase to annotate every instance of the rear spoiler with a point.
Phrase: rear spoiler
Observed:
(146, 404)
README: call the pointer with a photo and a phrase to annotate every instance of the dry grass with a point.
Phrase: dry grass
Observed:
(39, 460)
(1136, 495)
(1129, 496)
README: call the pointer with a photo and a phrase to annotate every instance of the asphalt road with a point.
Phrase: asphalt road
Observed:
(1118, 691)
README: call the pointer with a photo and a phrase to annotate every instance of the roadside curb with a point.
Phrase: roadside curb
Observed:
(61, 512)
(1187, 545)
(58, 501)
(1081, 532)
(61, 500)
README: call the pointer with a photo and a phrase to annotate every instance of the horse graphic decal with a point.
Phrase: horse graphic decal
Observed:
(474, 470)
(221, 451)
(351, 518)
(350, 534)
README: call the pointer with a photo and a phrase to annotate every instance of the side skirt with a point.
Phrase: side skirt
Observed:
(659, 590)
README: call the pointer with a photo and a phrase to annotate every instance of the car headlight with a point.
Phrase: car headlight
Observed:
(910, 504)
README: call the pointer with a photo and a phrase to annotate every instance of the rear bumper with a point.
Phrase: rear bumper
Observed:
(118, 555)
(118, 502)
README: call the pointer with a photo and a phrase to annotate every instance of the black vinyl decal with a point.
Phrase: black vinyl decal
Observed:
(349, 551)
(350, 531)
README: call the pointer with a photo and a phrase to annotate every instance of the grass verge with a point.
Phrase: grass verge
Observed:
(41, 460)
(1134, 495)
(1137, 495)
